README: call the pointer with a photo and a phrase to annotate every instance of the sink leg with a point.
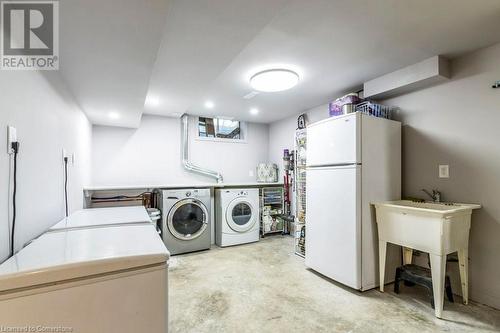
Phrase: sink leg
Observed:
(407, 255)
(463, 261)
(438, 270)
(382, 249)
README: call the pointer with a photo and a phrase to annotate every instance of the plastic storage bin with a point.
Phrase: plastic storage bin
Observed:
(374, 109)
(335, 107)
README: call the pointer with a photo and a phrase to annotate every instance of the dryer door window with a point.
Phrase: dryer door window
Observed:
(240, 216)
(187, 219)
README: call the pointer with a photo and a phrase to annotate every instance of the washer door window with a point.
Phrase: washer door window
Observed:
(187, 219)
(239, 215)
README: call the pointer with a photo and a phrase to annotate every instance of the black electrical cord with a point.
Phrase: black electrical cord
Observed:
(66, 185)
(15, 148)
(122, 196)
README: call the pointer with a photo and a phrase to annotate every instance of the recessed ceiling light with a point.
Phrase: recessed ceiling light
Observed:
(273, 80)
(254, 111)
(114, 115)
(152, 101)
(209, 104)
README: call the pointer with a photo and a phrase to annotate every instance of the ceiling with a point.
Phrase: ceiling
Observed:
(182, 53)
(107, 52)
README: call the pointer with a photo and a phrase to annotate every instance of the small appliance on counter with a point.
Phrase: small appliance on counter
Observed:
(267, 173)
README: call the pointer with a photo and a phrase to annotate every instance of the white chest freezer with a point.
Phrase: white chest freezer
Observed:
(89, 280)
(104, 217)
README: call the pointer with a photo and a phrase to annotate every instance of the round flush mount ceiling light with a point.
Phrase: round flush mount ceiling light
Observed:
(254, 111)
(274, 80)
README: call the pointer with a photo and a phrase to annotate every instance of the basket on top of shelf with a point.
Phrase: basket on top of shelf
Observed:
(374, 109)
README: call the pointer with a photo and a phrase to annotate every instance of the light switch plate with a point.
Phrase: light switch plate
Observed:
(11, 137)
(444, 171)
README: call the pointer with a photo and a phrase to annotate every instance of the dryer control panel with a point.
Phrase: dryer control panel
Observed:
(239, 193)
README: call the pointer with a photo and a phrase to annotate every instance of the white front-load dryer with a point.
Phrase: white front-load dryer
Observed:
(237, 216)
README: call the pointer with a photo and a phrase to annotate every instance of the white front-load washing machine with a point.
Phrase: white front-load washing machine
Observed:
(237, 216)
(186, 225)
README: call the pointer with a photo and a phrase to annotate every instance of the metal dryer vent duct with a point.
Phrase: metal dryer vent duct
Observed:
(185, 153)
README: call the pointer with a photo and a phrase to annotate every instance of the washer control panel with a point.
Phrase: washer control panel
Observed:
(192, 194)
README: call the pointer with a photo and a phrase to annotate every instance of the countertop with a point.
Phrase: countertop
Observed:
(185, 185)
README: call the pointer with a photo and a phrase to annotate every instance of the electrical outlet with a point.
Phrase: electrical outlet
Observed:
(73, 159)
(11, 137)
(65, 154)
(444, 171)
(251, 173)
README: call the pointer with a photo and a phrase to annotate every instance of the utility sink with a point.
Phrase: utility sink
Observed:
(436, 228)
(441, 208)
(426, 226)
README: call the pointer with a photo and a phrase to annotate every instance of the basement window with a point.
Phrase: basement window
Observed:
(220, 129)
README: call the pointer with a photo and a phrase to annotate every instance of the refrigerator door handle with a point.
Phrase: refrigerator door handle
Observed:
(335, 166)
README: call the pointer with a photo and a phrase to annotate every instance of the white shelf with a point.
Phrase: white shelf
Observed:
(181, 185)
(300, 187)
(274, 205)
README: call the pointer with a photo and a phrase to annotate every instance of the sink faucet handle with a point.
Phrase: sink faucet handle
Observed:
(435, 195)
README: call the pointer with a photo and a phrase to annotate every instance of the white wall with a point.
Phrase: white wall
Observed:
(151, 154)
(47, 120)
(457, 123)
(282, 133)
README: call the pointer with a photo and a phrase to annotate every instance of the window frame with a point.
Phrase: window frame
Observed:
(243, 131)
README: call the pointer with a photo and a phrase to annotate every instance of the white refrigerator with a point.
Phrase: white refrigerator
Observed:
(352, 161)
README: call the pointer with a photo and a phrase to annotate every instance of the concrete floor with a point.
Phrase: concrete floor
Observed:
(263, 287)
